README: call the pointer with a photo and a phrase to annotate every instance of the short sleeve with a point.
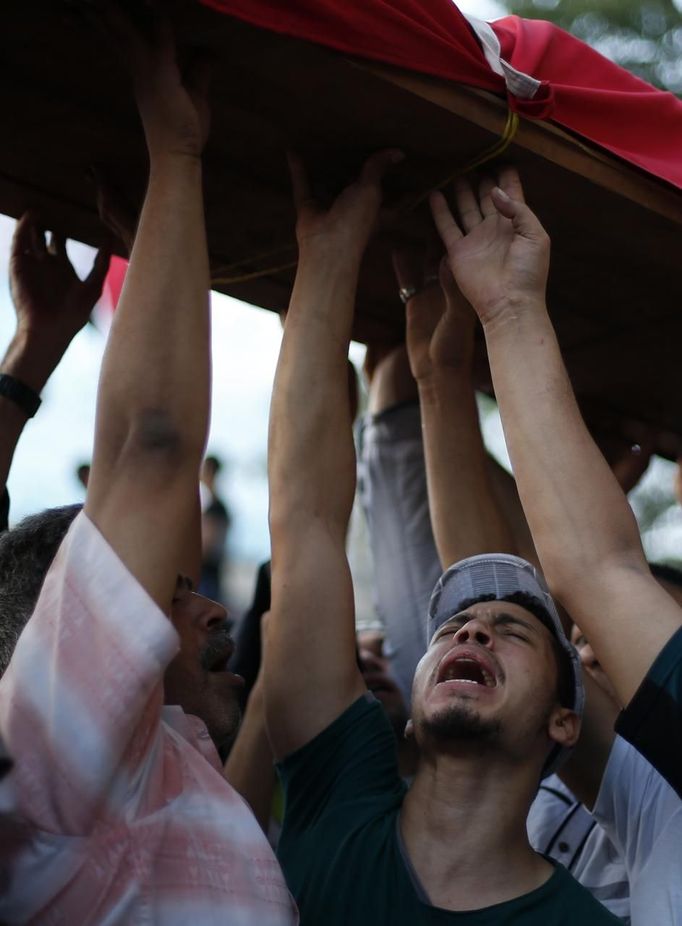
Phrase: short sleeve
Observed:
(352, 762)
(642, 817)
(652, 722)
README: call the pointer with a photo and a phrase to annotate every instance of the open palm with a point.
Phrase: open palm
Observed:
(498, 251)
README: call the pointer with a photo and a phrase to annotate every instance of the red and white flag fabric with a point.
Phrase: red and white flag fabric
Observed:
(544, 72)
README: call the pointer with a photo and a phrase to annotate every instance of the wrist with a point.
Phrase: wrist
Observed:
(444, 383)
(327, 261)
(164, 161)
(512, 314)
(32, 356)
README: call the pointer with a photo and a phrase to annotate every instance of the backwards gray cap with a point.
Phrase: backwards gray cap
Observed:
(502, 576)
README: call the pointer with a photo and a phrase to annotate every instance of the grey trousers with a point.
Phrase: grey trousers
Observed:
(392, 486)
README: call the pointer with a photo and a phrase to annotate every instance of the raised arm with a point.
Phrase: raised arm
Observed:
(52, 305)
(465, 515)
(311, 674)
(153, 400)
(584, 531)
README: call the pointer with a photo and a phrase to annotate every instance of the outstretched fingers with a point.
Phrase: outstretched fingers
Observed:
(510, 181)
(24, 238)
(485, 197)
(525, 222)
(468, 206)
(448, 229)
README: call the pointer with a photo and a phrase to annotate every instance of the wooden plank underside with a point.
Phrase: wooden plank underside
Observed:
(615, 288)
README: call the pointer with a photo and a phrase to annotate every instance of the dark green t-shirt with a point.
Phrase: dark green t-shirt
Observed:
(341, 851)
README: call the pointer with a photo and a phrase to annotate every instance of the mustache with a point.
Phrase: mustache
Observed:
(219, 647)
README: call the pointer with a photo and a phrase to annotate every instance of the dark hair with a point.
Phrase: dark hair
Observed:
(565, 681)
(26, 553)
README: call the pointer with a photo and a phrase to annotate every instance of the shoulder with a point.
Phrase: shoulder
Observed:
(362, 728)
(636, 805)
(652, 721)
(352, 762)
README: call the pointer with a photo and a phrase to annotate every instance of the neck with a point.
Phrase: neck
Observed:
(463, 823)
(407, 757)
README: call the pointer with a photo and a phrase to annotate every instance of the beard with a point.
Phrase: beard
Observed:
(459, 723)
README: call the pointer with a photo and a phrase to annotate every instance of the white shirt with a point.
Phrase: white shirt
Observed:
(560, 826)
(643, 818)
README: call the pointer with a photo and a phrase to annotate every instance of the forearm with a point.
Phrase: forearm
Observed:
(311, 457)
(465, 516)
(577, 513)
(311, 468)
(250, 766)
(155, 379)
(584, 531)
(30, 359)
(153, 397)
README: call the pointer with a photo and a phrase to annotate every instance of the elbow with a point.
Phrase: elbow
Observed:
(158, 437)
(154, 431)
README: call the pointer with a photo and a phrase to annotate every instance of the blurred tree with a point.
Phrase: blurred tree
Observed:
(645, 38)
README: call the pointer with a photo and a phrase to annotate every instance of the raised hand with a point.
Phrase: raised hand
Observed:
(173, 106)
(114, 211)
(346, 226)
(498, 251)
(440, 327)
(49, 298)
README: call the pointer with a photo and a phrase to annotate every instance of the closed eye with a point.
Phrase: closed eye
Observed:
(513, 626)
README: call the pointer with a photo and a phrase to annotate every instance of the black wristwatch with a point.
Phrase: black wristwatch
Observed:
(22, 395)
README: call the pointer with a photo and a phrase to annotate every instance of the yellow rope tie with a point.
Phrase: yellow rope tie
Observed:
(497, 150)
(509, 133)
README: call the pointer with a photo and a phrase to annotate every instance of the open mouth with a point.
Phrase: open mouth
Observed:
(469, 670)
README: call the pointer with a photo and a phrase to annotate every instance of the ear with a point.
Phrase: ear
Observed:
(564, 726)
(409, 729)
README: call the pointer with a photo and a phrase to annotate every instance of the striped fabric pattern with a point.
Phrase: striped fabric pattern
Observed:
(117, 807)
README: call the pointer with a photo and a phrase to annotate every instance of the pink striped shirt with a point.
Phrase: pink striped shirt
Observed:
(118, 809)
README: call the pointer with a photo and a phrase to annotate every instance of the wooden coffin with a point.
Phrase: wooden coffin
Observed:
(616, 289)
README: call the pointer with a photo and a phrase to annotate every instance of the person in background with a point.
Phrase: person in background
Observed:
(215, 524)
(83, 474)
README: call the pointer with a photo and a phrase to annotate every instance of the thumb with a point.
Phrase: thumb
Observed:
(525, 221)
